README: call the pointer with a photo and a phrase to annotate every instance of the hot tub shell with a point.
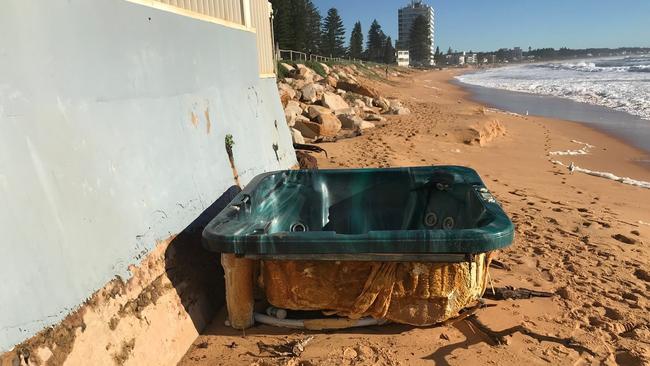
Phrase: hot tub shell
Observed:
(409, 245)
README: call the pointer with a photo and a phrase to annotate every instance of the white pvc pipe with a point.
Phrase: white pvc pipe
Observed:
(300, 323)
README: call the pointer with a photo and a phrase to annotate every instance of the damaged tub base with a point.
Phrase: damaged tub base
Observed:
(415, 293)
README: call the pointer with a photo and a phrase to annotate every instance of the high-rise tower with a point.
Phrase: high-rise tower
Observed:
(406, 16)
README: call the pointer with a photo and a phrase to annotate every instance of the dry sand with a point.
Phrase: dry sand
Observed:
(565, 240)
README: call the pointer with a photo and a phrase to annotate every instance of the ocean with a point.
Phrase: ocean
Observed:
(621, 83)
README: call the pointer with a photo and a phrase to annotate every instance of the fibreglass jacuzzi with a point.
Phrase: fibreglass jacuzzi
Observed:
(385, 243)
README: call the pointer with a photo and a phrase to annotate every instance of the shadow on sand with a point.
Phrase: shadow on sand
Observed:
(476, 332)
(196, 273)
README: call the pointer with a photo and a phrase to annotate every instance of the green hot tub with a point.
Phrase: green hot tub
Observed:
(426, 214)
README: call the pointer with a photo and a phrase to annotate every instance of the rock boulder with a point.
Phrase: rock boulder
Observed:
(287, 66)
(328, 125)
(311, 92)
(313, 111)
(359, 103)
(292, 111)
(350, 122)
(357, 88)
(286, 93)
(296, 137)
(374, 117)
(333, 101)
(400, 111)
(348, 110)
(381, 103)
(304, 73)
(307, 128)
(331, 81)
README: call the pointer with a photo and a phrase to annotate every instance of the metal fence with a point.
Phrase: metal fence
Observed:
(253, 14)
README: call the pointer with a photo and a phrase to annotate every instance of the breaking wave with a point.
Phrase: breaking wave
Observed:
(621, 84)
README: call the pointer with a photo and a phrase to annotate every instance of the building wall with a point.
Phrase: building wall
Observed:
(403, 58)
(113, 117)
(255, 14)
(406, 17)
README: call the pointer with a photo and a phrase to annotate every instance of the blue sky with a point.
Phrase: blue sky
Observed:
(485, 25)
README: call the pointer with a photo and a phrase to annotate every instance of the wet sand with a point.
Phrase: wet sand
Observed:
(631, 129)
(584, 237)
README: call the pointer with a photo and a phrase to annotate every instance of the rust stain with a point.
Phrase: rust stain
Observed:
(194, 119)
(208, 123)
(235, 173)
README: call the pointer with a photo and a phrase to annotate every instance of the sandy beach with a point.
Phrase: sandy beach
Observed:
(583, 237)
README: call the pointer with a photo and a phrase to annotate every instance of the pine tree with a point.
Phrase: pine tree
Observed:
(299, 25)
(356, 41)
(375, 42)
(332, 41)
(313, 26)
(389, 52)
(296, 25)
(420, 42)
(282, 23)
(437, 56)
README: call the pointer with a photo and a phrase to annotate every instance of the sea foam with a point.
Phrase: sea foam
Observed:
(622, 83)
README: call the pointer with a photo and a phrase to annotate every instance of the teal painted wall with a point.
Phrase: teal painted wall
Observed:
(112, 124)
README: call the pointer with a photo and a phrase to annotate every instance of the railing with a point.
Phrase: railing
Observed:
(291, 55)
(252, 14)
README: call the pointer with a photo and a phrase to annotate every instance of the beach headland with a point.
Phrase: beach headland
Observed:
(582, 237)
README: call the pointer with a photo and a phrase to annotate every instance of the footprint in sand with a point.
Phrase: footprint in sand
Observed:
(625, 239)
(552, 221)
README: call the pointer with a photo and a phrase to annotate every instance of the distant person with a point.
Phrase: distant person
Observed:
(386, 72)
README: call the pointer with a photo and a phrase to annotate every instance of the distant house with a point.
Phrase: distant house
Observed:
(403, 58)
(462, 58)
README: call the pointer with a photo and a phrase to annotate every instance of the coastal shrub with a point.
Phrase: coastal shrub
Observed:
(282, 71)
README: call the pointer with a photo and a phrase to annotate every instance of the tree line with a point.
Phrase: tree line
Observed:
(298, 26)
